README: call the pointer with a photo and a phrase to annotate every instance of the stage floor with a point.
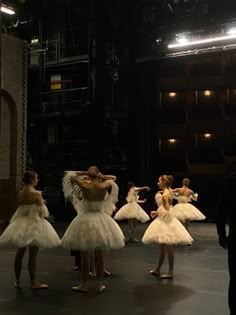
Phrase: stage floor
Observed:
(199, 287)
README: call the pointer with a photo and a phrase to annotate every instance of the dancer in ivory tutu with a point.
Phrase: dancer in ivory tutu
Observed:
(29, 229)
(184, 210)
(93, 229)
(73, 193)
(165, 230)
(132, 210)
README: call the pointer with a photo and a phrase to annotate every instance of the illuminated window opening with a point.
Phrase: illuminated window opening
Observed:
(207, 93)
(172, 94)
(207, 135)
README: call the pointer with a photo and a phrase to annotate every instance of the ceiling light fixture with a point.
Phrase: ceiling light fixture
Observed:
(7, 10)
(203, 41)
(231, 31)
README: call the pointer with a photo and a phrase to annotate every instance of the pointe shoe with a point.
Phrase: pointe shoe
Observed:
(154, 273)
(106, 273)
(92, 274)
(76, 268)
(17, 285)
(132, 240)
(80, 288)
(39, 286)
(101, 288)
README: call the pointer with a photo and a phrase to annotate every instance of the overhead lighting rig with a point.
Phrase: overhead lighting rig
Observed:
(205, 40)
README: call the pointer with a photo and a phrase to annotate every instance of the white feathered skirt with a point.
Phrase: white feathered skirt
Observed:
(184, 210)
(166, 229)
(28, 227)
(93, 229)
(132, 210)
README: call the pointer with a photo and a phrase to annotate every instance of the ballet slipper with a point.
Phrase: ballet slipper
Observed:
(17, 285)
(166, 276)
(134, 240)
(39, 286)
(101, 288)
(107, 273)
(131, 240)
(76, 268)
(92, 274)
(80, 288)
(154, 273)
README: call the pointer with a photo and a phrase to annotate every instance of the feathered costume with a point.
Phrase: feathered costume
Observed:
(165, 228)
(184, 210)
(28, 227)
(132, 209)
(92, 228)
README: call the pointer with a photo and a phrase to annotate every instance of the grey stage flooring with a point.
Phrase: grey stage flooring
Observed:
(199, 287)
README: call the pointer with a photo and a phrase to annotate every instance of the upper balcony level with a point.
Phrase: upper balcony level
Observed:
(66, 46)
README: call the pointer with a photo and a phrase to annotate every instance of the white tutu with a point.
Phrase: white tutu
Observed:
(29, 228)
(166, 229)
(131, 210)
(93, 228)
(184, 210)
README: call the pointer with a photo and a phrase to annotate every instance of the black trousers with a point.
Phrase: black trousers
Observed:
(77, 255)
(232, 274)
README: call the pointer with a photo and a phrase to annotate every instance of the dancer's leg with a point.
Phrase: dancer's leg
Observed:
(156, 272)
(33, 253)
(18, 265)
(92, 264)
(133, 222)
(83, 287)
(100, 269)
(130, 223)
(170, 253)
(106, 272)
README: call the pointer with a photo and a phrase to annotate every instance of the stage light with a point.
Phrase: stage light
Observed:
(203, 41)
(231, 31)
(172, 94)
(172, 141)
(7, 10)
(182, 39)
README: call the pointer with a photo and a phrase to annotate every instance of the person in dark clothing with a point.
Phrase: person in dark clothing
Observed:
(227, 236)
(76, 254)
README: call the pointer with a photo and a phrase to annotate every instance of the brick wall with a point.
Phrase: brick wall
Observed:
(12, 122)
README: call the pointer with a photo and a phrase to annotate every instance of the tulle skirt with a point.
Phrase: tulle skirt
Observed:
(131, 210)
(186, 211)
(29, 231)
(166, 229)
(92, 229)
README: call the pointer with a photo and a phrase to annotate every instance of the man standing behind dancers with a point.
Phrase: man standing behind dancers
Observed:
(226, 215)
